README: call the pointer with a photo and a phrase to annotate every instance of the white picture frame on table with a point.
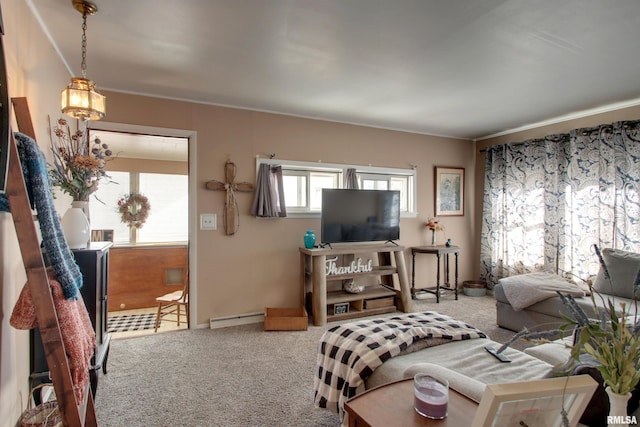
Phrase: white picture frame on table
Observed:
(535, 403)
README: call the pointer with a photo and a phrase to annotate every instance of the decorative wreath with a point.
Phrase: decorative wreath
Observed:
(134, 209)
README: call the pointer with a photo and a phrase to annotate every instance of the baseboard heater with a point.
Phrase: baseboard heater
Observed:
(223, 322)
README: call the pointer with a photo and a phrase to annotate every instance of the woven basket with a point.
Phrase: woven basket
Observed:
(45, 414)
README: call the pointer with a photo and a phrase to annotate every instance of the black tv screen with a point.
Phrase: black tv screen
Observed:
(360, 215)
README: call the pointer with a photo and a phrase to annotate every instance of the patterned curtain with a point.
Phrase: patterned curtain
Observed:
(547, 201)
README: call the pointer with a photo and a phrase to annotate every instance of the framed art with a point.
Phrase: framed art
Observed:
(449, 191)
(535, 403)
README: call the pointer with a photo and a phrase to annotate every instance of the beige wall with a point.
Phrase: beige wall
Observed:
(148, 166)
(258, 267)
(631, 113)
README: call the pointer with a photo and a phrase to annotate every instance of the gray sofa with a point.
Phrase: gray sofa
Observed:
(623, 268)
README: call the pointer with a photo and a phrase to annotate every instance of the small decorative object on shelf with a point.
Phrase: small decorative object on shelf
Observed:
(134, 209)
(449, 243)
(351, 287)
(310, 239)
(341, 308)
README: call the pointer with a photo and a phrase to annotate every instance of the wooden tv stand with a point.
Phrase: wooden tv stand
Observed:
(373, 300)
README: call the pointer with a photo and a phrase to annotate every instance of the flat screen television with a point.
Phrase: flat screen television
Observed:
(359, 215)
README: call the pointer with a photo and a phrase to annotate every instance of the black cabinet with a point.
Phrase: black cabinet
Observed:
(94, 265)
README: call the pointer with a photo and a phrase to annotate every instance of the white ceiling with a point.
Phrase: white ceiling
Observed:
(460, 68)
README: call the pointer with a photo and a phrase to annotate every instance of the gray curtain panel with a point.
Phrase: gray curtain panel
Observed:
(268, 200)
(351, 179)
(548, 200)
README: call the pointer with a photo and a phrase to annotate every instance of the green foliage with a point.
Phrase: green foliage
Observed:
(614, 345)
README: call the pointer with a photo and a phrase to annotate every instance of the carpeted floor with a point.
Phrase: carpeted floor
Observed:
(133, 322)
(236, 376)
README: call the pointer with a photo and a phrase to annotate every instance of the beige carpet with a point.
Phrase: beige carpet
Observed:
(237, 376)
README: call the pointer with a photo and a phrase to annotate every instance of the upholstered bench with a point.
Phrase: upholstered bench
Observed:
(469, 359)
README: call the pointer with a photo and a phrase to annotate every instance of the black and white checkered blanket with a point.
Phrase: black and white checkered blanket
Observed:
(348, 354)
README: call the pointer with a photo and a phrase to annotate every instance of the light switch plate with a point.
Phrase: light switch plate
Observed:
(208, 221)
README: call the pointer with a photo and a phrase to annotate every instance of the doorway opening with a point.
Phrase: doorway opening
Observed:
(146, 258)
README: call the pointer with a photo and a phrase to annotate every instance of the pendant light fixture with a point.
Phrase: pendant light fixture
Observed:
(79, 99)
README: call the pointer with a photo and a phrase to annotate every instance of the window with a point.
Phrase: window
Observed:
(303, 188)
(304, 181)
(169, 198)
(153, 165)
(401, 183)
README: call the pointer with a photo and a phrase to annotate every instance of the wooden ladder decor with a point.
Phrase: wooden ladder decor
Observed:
(73, 413)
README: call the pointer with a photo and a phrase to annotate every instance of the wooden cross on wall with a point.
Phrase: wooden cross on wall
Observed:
(231, 214)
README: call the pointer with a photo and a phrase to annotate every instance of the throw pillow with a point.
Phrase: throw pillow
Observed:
(623, 268)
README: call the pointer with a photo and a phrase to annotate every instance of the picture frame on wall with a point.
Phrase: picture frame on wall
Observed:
(449, 191)
(535, 403)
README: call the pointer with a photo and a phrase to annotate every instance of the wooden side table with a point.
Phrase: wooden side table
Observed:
(392, 405)
(438, 251)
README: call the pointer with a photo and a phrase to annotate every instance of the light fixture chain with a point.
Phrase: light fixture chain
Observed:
(83, 66)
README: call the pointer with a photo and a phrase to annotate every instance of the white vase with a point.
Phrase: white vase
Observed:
(75, 227)
(617, 408)
(433, 238)
(84, 205)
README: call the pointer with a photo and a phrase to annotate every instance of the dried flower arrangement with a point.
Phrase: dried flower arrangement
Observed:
(76, 168)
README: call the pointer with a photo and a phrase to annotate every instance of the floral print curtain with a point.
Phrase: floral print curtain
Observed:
(547, 201)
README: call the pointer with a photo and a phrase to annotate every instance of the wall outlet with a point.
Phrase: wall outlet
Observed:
(208, 221)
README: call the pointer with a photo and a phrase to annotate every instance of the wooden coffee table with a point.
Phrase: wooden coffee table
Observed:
(392, 405)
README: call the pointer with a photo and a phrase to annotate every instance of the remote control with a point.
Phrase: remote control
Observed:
(501, 357)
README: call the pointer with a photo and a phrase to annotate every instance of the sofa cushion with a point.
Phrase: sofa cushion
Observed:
(523, 290)
(555, 308)
(623, 268)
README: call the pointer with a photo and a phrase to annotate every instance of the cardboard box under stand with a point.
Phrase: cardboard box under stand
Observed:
(285, 319)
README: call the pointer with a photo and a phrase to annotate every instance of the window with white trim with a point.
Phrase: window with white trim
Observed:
(168, 195)
(303, 183)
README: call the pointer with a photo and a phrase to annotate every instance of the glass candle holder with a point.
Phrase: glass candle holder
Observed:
(431, 396)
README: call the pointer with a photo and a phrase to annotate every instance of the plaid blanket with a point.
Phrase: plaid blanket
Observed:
(348, 354)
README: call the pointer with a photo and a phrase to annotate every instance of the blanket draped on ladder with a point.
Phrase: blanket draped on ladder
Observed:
(34, 170)
(348, 354)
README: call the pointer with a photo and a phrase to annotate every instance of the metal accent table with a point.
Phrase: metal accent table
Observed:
(438, 251)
